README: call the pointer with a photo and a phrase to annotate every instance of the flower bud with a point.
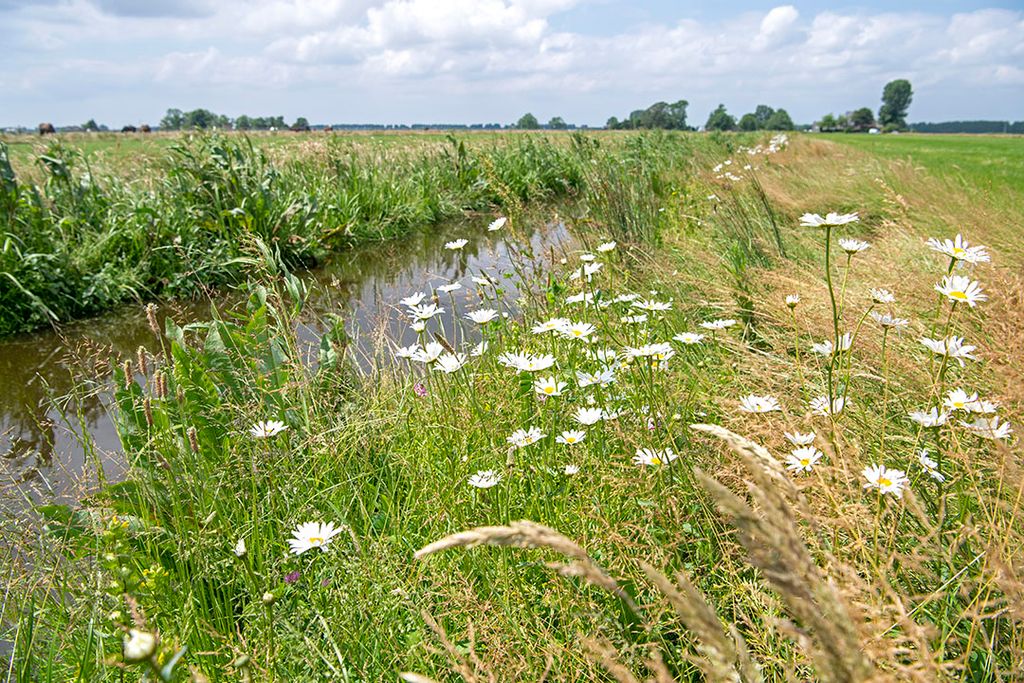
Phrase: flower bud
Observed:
(139, 646)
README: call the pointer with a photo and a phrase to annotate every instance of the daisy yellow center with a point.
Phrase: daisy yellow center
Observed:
(957, 294)
(884, 482)
(655, 461)
(577, 333)
(958, 404)
(805, 461)
(570, 439)
(958, 251)
(316, 540)
(549, 390)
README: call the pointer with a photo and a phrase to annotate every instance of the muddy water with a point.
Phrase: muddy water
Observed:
(56, 432)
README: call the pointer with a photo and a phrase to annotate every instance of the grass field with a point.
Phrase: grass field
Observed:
(673, 532)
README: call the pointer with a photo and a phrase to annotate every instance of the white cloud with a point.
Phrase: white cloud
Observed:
(420, 52)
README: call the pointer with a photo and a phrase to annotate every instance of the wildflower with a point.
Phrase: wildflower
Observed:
(525, 362)
(820, 405)
(882, 296)
(759, 404)
(420, 389)
(988, 428)
(587, 258)
(958, 399)
(718, 324)
(930, 466)
(792, 300)
(548, 386)
(689, 338)
(571, 437)
(497, 224)
(602, 378)
(449, 288)
(827, 348)
(571, 470)
(240, 549)
(606, 356)
(803, 459)
(312, 535)
(798, 439)
(525, 437)
(552, 325)
(605, 247)
(479, 349)
(407, 352)
(265, 430)
(959, 250)
(886, 480)
(429, 353)
(634, 319)
(929, 418)
(625, 298)
(455, 245)
(588, 271)
(953, 347)
(852, 246)
(661, 351)
(412, 299)
(648, 457)
(425, 311)
(831, 220)
(961, 289)
(418, 326)
(889, 321)
(450, 362)
(484, 479)
(483, 281)
(577, 330)
(582, 297)
(138, 645)
(588, 416)
(482, 316)
(292, 577)
(652, 306)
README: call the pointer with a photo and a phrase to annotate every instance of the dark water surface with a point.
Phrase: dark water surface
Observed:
(56, 433)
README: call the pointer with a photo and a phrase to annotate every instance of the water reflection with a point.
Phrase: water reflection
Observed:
(53, 387)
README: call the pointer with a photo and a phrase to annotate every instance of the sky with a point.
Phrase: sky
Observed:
(476, 61)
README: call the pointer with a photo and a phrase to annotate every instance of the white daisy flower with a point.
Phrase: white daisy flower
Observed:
(959, 249)
(482, 316)
(429, 353)
(587, 258)
(312, 535)
(649, 457)
(689, 338)
(525, 437)
(827, 348)
(660, 351)
(832, 219)
(889, 321)
(633, 319)
(605, 247)
(138, 646)
(479, 349)
(792, 300)
(548, 386)
(497, 224)
(579, 330)
(425, 311)
(484, 479)
(450, 362)
(412, 299)
(407, 351)
(483, 281)
(958, 399)
(718, 324)
(820, 405)
(418, 326)
(552, 325)
(455, 245)
(930, 466)
(800, 439)
(602, 378)
(953, 347)
(571, 470)
(885, 480)
(625, 298)
(588, 271)
(588, 416)
(759, 404)
(929, 418)
(449, 288)
(652, 306)
(267, 429)
(852, 246)
(582, 297)
(988, 428)
(803, 459)
(961, 289)
(882, 296)
(571, 437)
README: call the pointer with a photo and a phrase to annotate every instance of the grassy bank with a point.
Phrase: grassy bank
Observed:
(92, 227)
(665, 550)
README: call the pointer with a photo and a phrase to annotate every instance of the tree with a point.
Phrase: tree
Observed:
(243, 122)
(172, 120)
(720, 119)
(528, 122)
(862, 119)
(827, 123)
(557, 123)
(762, 114)
(896, 98)
(613, 124)
(779, 120)
(91, 126)
(301, 124)
(748, 122)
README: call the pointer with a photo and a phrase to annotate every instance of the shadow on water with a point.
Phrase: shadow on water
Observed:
(56, 433)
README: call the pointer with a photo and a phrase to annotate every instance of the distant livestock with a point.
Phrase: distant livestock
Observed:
(129, 129)
(144, 128)
(46, 129)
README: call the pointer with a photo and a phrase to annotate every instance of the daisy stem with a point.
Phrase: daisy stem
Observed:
(835, 310)
(885, 388)
(796, 344)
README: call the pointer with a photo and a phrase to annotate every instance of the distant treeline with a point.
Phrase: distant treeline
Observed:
(1016, 127)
